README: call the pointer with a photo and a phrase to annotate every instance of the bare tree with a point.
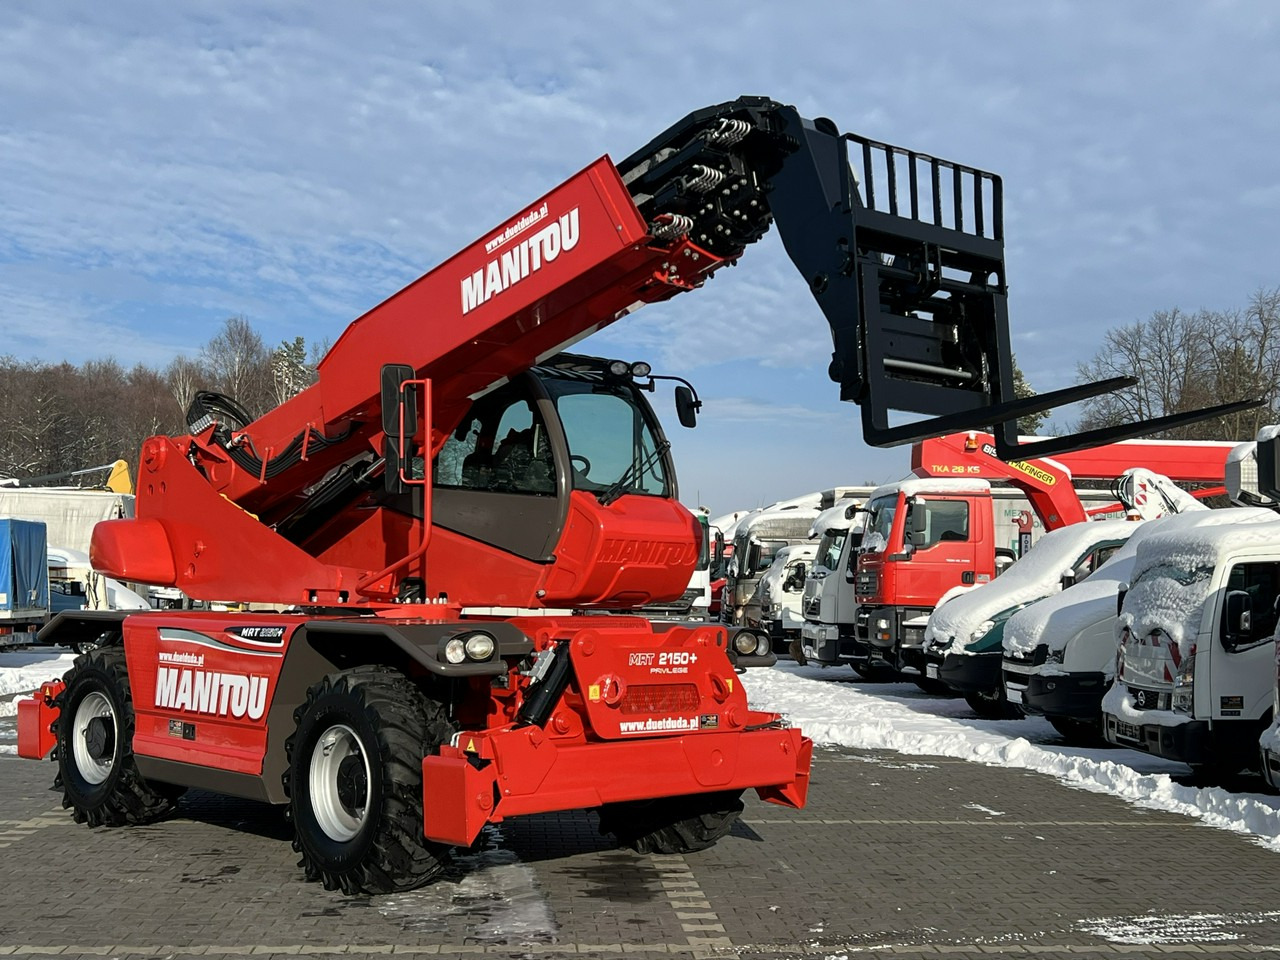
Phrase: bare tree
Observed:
(1188, 361)
(240, 365)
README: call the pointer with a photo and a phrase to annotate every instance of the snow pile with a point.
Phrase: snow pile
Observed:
(898, 717)
(21, 673)
(833, 518)
(915, 486)
(1034, 577)
(1056, 620)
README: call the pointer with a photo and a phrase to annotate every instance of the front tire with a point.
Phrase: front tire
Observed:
(683, 824)
(355, 781)
(96, 768)
(993, 705)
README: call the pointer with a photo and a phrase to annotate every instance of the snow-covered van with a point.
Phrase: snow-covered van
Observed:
(1196, 658)
(1060, 653)
(963, 637)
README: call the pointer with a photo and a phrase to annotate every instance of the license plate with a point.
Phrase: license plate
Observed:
(931, 671)
(1128, 730)
(1012, 695)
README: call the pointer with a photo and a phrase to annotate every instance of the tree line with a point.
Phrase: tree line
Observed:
(59, 417)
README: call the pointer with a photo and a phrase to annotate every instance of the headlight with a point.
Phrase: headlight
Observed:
(479, 646)
(982, 629)
(882, 624)
(763, 645)
(1055, 656)
(745, 642)
(476, 645)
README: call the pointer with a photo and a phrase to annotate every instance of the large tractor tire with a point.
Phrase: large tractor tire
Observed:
(355, 781)
(682, 824)
(96, 770)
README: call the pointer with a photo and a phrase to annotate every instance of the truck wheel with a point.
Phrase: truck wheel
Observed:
(993, 705)
(355, 781)
(1078, 732)
(683, 824)
(96, 770)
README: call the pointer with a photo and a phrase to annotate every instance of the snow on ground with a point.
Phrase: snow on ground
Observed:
(832, 709)
(21, 672)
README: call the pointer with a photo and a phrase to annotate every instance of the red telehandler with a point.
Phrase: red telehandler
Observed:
(453, 458)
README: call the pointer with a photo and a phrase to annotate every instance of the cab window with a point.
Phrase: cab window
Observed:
(945, 520)
(1261, 581)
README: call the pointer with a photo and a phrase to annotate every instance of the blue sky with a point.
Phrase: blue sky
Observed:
(165, 166)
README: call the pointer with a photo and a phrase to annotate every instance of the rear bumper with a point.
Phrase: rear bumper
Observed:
(493, 775)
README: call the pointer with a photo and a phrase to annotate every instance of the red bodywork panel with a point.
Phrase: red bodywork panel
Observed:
(36, 716)
(638, 703)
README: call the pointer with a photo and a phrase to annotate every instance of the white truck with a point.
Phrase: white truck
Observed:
(1060, 653)
(780, 593)
(1196, 645)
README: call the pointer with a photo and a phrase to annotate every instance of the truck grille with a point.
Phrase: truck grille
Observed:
(660, 698)
(1149, 699)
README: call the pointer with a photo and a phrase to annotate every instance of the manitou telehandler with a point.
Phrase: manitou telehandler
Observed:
(452, 456)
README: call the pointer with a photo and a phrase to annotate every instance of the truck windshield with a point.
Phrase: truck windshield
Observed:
(829, 549)
(611, 442)
(880, 514)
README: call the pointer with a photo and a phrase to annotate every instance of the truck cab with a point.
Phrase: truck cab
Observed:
(922, 538)
(828, 603)
(1196, 650)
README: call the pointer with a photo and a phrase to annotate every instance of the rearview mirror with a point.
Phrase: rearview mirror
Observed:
(687, 407)
(1238, 621)
(1120, 595)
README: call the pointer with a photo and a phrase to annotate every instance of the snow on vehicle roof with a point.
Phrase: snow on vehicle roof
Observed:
(1173, 571)
(1056, 619)
(1268, 432)
(833, 518)
(1242, 451)
(914, 486)
(1035, 576)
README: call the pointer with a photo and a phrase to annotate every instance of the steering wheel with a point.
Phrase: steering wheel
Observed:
(586, 464)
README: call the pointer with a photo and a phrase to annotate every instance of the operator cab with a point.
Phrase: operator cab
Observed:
(505, 474)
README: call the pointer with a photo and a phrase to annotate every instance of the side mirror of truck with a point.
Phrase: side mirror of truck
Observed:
(1238, 622)
(687, 407)
(915, 531)
(795, 579)
(1120, 594)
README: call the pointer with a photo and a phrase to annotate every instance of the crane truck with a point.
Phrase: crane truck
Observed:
(452, 455)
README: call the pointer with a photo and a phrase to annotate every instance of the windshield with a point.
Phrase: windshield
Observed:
(829, 549)
(1178, 574)
(880, 512)
(611, 442)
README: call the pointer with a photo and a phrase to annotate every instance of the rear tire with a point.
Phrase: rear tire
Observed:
(355, 781)
(683, 824)
(96, 769)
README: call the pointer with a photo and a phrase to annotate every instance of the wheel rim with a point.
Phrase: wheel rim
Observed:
(93, 737)
(339, 780)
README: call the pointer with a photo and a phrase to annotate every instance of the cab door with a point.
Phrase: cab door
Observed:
(942, 535)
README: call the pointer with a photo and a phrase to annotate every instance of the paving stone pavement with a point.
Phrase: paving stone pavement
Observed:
(893, 857)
